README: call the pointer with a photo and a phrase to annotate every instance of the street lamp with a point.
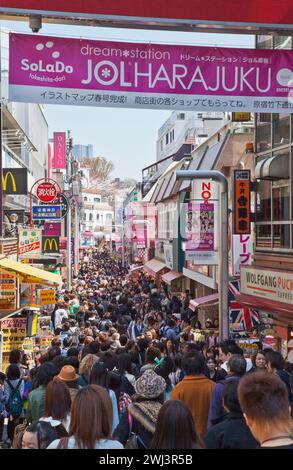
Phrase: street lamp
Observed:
(223, 264)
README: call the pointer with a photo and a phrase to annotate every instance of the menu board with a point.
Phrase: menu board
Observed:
(7, 292)
(14, 333)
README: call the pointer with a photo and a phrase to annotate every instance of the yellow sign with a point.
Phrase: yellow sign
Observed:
(28, 345)
(14, 333)
(53, 240)
(241, 117)
(47, 296)
(4, 181)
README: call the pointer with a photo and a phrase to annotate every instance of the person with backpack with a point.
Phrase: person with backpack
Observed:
(13, 397)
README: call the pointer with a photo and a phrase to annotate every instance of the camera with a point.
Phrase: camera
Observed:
(35, 23)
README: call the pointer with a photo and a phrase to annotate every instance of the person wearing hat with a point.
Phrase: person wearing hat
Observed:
(145, 407)
(70, 378)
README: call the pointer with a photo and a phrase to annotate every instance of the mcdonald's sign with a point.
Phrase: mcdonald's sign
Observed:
(14, 180)
(50, 245)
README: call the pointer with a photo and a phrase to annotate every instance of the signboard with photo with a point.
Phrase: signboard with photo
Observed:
(30, 241)
(12, 218)
(44, 326)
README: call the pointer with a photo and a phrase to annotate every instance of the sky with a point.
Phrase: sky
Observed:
(125, 136)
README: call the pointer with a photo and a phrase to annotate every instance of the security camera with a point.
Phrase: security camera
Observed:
(35, 23)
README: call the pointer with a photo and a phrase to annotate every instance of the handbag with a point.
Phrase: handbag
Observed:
(131, 442)
(18, 435)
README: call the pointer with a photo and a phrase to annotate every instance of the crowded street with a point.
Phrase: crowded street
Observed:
(124, 370)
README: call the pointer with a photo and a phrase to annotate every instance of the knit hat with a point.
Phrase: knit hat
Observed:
(67, 374)
(150, 384)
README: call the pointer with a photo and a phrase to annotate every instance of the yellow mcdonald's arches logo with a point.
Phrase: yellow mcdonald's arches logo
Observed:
(12, 179)
(51, 241)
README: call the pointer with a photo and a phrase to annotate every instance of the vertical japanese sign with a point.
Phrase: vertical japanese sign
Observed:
(242, 251)
(59, 150)
(241, 202)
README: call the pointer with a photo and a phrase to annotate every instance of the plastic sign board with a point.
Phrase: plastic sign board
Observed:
(59, 161)
(241, 117)
(14, 181)
(50, 245)
(241, 210)
(52, 229)
(47, 297)
(46, 212)
(205, 190)
(30, 242)
(242, 251)
(46, 192)
(85, 72)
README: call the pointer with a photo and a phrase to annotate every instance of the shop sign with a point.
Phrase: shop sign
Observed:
(241, 117)
(46, 192)
(52, 229)
(86, 72)
(47, 297)
(50, 245)
(268, 284)
(14, 333)
(241, 210)
(30, 241)
(46, 212)
(242, 252)
(44, 326)
(45, 342)
(14, 181)
(28, 345)
(59, 150)
(205, 190)
(7, 292)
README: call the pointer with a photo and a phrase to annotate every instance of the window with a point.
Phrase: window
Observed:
(161, 144)
(98, 216)
(91, 217)
(181, 116)
(281, 235)
(263, 236)
(281, 203)
(264, 132)
(263, 204)
(97, 199)
(85, 199)
(167, 138)
(281, 129)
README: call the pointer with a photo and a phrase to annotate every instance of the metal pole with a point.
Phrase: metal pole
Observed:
(223, 284)
(76, 237)
(123, 247)
(68, 218)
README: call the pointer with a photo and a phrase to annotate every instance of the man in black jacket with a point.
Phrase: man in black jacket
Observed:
(232, 432)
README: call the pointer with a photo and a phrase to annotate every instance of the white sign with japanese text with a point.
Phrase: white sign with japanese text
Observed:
(242, 252)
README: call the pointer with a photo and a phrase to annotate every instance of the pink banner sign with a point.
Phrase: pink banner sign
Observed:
(59, 150)
(160, 76)
(52, 229)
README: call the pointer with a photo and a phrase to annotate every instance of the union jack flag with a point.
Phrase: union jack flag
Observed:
(239, 313)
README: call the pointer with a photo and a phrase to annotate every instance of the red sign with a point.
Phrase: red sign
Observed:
(52, 229)
(242, 202)
(46, 192)
(59, 150)
(219, 12)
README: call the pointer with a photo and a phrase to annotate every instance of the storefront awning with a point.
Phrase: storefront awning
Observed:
(171, 276)
(264, 304)
(28, 274)
(154, 266)
(208, 299)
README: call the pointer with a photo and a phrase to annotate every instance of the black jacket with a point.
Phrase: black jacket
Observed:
(231, 433)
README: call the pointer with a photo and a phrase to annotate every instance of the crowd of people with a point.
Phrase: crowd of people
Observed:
(125, 371)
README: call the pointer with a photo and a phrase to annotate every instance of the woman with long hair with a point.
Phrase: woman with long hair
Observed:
(58, 402)
(91, 422)
(85, 369)
(175, 428)
(99, 376)
(40, 434)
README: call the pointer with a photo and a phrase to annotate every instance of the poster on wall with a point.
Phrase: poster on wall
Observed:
(8, 298)
(200, 234)
(86, 72)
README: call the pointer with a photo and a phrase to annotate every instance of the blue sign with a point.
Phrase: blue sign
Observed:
(46, 212)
